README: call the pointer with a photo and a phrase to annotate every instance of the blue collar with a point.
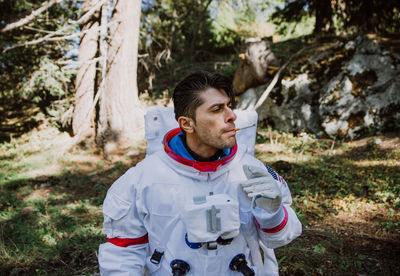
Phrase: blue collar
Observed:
(177, 145)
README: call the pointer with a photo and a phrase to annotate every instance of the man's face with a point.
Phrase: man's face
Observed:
(214, 125)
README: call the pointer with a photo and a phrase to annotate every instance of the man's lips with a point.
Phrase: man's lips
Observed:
(230, 131)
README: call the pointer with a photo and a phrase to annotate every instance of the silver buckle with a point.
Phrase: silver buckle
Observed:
(212, 245)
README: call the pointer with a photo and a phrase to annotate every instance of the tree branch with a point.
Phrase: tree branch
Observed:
(77, 63)
(39, 30)
(53, 36)
(30, 17)
(276, 77)
(49, 37)
(84, 18)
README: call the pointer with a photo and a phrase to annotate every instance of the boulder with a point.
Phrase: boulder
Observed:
(288, 108)
(342, 91)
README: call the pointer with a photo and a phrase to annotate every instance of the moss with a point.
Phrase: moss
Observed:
(361, 81)
(276, 96)
(332, 118)
(331, 65)
(292, 93)
(335, 95)
(315, 99)
(342, 133)
(356, 120)
(335, 66)
(292, 76)
(388, 114)
(315, 86)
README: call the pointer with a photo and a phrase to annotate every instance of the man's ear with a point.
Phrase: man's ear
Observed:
(186, 124)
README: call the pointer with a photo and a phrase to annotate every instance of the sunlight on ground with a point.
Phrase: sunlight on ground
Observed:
(361, 216)
(369, 163)
(373, 159)
(40, 193)
(343, 192)
(277, 151)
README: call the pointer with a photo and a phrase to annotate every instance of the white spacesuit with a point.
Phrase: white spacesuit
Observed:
(170, 212)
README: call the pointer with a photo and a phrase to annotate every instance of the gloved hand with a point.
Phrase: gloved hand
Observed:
(263, 188)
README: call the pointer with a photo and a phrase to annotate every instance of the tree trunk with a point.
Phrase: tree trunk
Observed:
(196, 29)
(120, 116)
(323, 17)
(83, 117)
(367, 13)
(255, 59)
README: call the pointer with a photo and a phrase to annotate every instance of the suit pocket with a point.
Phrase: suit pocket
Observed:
(114, 207)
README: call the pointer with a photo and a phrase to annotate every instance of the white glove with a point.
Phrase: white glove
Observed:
(263, 188)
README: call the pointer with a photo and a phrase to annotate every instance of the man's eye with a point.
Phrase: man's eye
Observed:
(217, 108)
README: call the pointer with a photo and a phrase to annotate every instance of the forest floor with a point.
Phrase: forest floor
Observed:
(345, 193)
(347, 196)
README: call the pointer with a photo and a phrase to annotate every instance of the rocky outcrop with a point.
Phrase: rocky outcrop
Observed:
(343, 91)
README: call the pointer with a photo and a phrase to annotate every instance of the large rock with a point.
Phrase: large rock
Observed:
(342, 91)
(289, 108)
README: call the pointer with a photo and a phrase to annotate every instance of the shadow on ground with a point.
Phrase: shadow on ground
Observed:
(52, 224)
(17, 119)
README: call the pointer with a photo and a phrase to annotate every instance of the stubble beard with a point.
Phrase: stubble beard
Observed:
(217, 141)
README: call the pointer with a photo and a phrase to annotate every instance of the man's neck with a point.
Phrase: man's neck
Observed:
(202, 153)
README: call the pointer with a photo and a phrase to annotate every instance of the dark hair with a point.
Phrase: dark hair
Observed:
(186, 95)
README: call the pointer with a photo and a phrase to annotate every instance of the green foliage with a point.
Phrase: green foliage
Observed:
(50, 222)
(373, 16)
(175, 34)
(171, 31)
(291, 30)
(348, 16)
(319, 249)
(30, 71)
(225, 27)
(177, 26)
(322, 176)
(50, 87)
(293, 11)
(233, 22)
(48, 81)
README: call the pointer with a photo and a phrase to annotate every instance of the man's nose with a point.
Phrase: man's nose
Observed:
(231, 116)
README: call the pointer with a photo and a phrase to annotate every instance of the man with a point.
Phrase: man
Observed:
(201, 206)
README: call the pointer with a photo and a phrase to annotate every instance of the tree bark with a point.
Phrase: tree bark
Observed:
(255, 59)
(83, 117)
(323, 17)
(120, 116)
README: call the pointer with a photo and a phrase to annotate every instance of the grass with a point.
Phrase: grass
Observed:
(347, 197)
(50, 202)
(345, 193)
